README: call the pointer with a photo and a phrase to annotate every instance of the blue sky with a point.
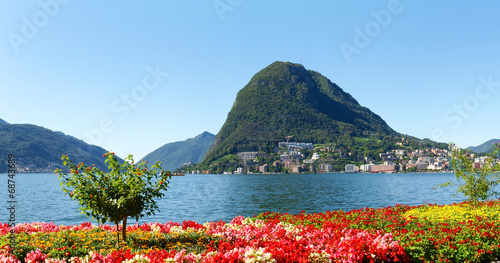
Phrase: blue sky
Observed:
(131, 76)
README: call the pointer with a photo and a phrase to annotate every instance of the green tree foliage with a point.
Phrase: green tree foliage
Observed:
(128, 189)
(476, 183)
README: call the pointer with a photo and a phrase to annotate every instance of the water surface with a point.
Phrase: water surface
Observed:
(205, 198)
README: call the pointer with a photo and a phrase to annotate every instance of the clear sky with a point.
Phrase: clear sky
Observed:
(131, 76)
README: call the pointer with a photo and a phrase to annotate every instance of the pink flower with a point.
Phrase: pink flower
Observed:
(36, 257)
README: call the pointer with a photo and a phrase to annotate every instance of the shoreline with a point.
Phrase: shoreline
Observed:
(182, 174)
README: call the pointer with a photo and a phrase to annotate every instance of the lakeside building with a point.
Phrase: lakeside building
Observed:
(292, 155)
(296, 145)
(350, 168)
(366, 168)
(295, 167)
(325, 167)
(382, 168)
(264, 168)
(435, 167)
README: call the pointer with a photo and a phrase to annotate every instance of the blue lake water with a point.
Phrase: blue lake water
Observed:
(205, 198)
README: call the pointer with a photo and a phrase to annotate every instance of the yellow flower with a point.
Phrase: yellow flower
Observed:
(455, 213)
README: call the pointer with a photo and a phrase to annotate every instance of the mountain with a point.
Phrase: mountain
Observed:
(39, 149)
(174, 155)
(3, 122)
(486, 147)
(285, 99)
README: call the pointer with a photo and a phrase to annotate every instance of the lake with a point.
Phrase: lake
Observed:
(205, 198)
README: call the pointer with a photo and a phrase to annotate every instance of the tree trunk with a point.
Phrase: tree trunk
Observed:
(124, 229)
(117, 235)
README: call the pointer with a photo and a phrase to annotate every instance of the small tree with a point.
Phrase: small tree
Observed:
(128, 189)
(476, 183)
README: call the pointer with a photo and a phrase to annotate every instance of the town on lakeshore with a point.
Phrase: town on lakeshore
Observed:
(305, 157)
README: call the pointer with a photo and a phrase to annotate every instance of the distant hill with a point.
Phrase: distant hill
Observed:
(174, 155)
(3, 122)
(40, 149)
(486, 147)
(285, 99)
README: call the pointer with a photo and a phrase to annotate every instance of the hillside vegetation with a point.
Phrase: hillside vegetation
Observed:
(174, 155)
(40, 149)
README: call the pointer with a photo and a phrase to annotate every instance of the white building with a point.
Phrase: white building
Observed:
(366, 168)
(350, 168)
(296, 145)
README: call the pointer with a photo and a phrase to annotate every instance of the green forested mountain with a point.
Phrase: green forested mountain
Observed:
(174, 155)
(285, 99)
(38, 148)
(486, 147)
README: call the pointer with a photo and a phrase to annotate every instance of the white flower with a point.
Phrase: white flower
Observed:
(258, 256)
(176, 229)
(156, 228)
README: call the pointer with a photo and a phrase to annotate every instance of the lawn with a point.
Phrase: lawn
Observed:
(428, 233)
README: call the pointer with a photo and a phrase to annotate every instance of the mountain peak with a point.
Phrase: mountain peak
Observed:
(286, 99)
(204, 134)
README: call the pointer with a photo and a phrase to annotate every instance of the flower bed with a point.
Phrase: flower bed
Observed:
(427, 233)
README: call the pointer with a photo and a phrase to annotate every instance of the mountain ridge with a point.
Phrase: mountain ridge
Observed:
(38, 149)
(173, 155)
(486, 147)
